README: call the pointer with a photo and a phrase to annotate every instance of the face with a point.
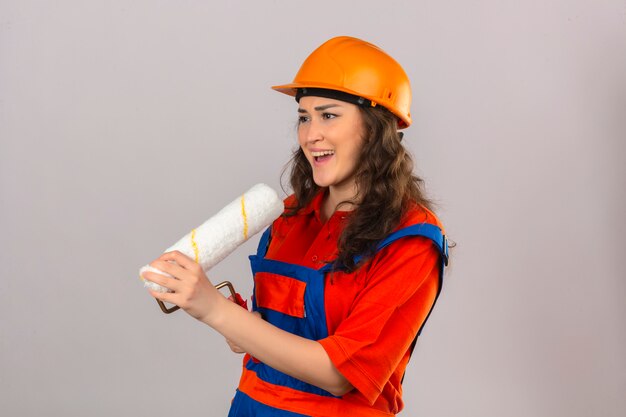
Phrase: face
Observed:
(330, 133)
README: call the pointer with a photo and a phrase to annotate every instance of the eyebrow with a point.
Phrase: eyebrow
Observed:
(320, 108)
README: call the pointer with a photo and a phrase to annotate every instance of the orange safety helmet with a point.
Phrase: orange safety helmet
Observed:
(356, 67)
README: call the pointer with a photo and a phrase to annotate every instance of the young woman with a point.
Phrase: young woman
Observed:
(345, 279)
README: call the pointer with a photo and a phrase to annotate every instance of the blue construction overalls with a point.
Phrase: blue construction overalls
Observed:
(297, 306)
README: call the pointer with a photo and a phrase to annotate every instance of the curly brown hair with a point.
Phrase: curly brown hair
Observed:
(386, 186)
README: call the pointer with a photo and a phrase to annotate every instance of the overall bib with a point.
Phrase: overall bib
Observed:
(291, 297)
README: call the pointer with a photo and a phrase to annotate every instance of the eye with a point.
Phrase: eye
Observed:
(328, 116)
(303, 119)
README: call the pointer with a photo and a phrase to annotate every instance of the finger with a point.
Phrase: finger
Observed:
(171, 268)
(167, 282)
(167, 297)
(180, 258)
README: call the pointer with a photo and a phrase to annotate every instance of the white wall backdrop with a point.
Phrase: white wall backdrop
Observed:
(124, 124)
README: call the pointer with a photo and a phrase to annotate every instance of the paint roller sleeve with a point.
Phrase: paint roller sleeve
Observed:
(219, 236)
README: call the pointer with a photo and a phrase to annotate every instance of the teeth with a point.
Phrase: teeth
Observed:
(322, 153)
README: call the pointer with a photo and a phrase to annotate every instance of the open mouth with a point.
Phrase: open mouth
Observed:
(321, 156)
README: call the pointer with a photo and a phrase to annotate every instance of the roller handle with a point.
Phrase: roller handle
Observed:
(236, 297)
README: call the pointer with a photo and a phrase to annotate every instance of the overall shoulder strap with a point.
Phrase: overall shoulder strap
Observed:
(427, 230)
(264, 242)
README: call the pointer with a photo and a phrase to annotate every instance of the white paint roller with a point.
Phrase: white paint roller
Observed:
(216, 238)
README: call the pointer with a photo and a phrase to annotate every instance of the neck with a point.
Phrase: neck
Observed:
(338, 198)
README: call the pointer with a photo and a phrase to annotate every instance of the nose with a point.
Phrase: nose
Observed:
(312, 132)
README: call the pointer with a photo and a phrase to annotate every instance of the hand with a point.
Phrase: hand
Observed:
(192, 291)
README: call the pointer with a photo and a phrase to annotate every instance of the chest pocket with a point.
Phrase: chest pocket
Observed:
(289, 296)
(280, 293)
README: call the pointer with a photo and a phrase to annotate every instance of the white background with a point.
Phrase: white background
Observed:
(124, 124)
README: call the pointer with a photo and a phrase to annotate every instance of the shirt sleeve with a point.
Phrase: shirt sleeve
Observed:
(401, 286)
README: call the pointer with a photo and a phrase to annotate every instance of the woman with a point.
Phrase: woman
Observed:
(345, 279)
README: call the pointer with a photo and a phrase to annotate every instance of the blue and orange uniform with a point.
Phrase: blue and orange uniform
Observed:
(367, 320)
